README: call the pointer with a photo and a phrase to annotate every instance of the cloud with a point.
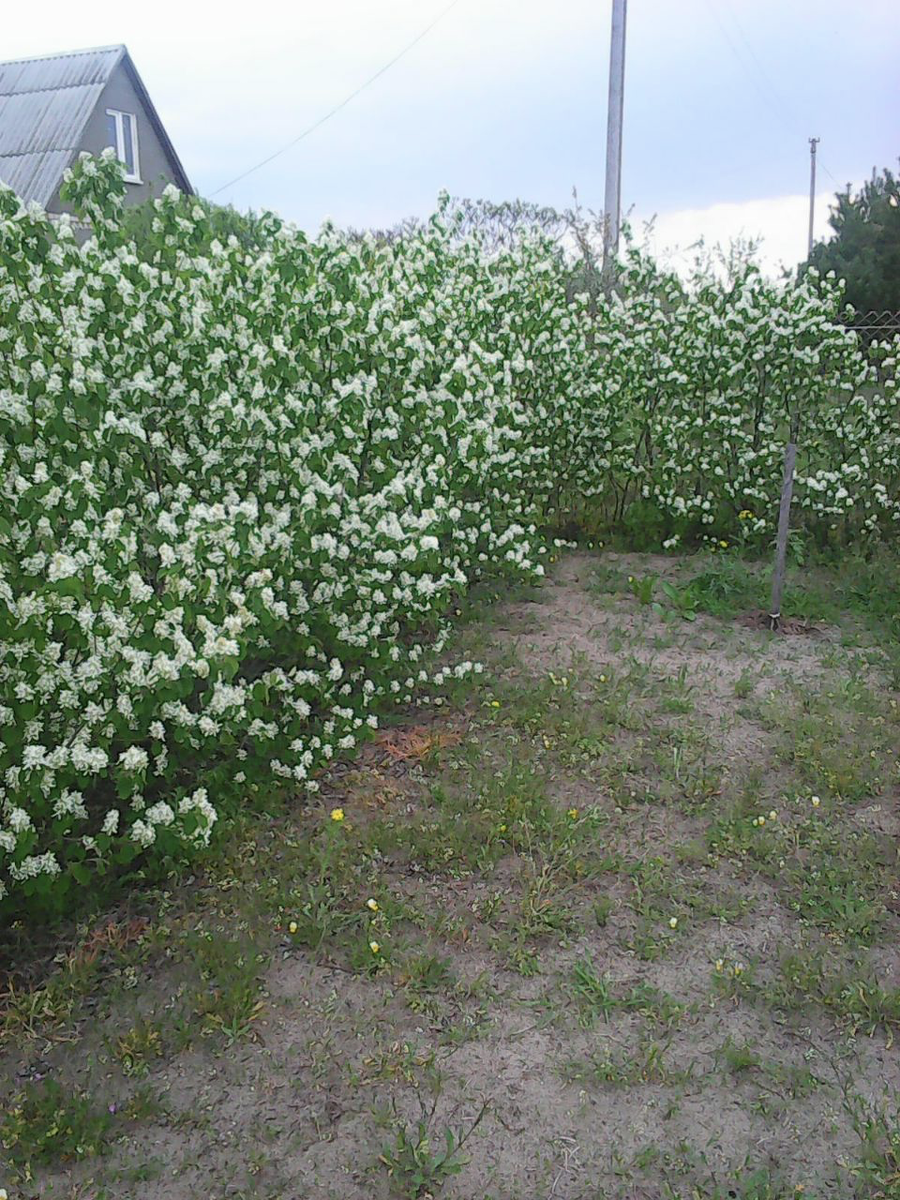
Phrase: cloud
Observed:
(780, 223)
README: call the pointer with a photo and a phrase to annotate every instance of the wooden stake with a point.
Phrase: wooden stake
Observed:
(784, 522)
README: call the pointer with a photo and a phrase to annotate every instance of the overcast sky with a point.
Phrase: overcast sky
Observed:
(507, 98)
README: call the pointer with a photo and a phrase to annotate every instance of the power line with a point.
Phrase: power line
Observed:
(776, 92)
(343, 104)
(776, 102)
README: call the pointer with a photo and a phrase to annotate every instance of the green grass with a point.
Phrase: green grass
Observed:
(47, 1122)
(876, 1169)
(645, 1066)
(596, 997)
(421, 1159)
(825, 588)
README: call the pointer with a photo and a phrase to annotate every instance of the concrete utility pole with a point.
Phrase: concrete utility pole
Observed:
(813, 142)
(613, 200)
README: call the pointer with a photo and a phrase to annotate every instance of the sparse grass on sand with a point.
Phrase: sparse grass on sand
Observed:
(619, 919)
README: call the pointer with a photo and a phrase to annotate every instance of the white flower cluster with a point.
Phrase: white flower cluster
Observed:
(241, 490)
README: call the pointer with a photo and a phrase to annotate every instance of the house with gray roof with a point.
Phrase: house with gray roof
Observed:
(54, 107)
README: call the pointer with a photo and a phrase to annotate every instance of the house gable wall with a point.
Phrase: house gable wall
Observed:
(155, 166)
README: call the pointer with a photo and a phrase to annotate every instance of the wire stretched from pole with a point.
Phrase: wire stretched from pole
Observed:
(764, 84)
(337, 108)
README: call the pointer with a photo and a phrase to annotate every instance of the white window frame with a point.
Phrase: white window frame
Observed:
(117, 115)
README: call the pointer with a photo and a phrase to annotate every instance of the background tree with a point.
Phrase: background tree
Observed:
(865, 250)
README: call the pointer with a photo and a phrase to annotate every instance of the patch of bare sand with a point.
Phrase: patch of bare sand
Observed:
(569, 625)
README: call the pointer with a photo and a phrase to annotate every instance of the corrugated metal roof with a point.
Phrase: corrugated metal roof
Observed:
(50, 72)
(45, 104)
(37, 122)
(35, 176)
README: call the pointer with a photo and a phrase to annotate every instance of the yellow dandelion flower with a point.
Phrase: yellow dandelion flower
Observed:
(815, 801)
(724, 545)
(761, 820)
(372, 904)
(495, 704)
(292, 928)
(337, 814)
(631, 579)
(374, 947)
(673, 922)
(773, 815)
(573, 813)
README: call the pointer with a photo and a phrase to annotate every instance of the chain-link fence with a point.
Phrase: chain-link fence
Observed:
(872, 325)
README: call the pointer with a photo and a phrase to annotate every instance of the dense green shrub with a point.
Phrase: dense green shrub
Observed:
(242, 484)
(233, 488)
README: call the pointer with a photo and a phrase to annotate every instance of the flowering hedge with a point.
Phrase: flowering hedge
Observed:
(239, 491)
(703, 386)
(232, 490)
